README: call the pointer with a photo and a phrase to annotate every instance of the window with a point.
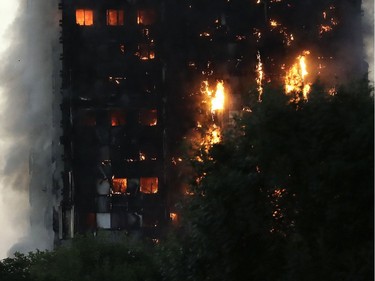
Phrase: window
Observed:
(117, 118)
(148, 117)
(103, 220)
(119, 185)
(103, 204)
(115, 17)
(149, 185)
(148, 151)
(87, 118)
(146, 51)
(84, 17)
(146, 17)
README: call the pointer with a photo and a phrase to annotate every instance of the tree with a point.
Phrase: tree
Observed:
(16, 268)
(288, 195)
(87, 258)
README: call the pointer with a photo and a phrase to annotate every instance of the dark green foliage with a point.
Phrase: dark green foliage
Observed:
(16, 268)
(89, 258)
(287, 196)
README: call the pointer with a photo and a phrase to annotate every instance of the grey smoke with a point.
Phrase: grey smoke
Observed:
(368, 24)
(29, 82)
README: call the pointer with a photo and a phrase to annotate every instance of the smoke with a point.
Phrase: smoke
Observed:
(26, 88)
(368, 8)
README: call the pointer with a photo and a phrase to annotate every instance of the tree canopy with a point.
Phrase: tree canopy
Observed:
(288, 194)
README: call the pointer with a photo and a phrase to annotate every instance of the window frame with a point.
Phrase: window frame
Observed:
(86, 18)
(119, 16)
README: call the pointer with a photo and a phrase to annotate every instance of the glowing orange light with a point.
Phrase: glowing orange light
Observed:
(332, 91)
(295, 78)
(274, 24)
(119, 185)
(324, 29)
(149, 185)
(117, 118)
(173, 217)
(217, 102)
(142, 156)
(115, 17)
(84, 17)
(259, 78)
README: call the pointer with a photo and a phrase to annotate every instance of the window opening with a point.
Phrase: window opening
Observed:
(117, 118)
(87, 119)
(146, 17)
(115, 17)
(149, 185)
(84, 17)
(148, 117)
(146, 51)
(103, 220)
(119, 185)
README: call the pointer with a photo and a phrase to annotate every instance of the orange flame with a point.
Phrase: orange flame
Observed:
(217, 102)
(259, 78)
(295, 78)
(215, 99)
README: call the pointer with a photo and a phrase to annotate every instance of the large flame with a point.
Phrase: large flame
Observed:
(295, 78)
(211, 137)
(217, 102)
(260, 75)
(215, 99)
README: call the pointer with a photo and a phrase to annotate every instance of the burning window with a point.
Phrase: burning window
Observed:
(115, 17)
(146, 51)
(148, 117)
(173, 217)
(117, 118)
(84, 17)
(149, 185)
(146, 17)
(119, 185)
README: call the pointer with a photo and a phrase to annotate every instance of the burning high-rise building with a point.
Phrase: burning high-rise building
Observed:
(113, 117)
(139, 76)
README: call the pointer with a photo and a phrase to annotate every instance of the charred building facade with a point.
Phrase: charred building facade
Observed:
(113, 117)
(134, 75)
